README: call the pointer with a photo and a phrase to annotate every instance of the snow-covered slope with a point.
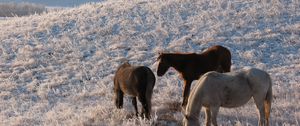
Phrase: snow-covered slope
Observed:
(57, 68)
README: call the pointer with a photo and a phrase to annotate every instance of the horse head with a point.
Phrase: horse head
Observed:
(163, 65)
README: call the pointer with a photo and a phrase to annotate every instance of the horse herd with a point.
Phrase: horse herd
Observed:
(216, 87)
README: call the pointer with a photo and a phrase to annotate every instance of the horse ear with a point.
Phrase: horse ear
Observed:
(159, 56)
(124, 61)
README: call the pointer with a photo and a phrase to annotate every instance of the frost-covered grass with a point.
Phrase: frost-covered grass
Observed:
(57, 68)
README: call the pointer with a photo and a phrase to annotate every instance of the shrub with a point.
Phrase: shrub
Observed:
(20, 9)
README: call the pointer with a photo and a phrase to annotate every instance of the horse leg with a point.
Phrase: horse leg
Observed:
(214, 113)
(186, 92)
(119, 99)
(261, 109)
(145, 109)
(134, 103)
(207, 116)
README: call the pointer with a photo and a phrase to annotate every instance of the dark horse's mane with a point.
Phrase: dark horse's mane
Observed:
(181, 60)
(179, 55)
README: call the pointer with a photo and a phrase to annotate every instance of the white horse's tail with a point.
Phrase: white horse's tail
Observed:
(267, 103)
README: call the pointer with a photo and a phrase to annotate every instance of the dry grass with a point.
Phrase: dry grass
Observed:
(57, 68)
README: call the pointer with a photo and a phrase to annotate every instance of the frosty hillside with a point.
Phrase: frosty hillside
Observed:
(57, 68)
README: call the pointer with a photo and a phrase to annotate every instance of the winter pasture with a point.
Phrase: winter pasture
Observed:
(57, 68)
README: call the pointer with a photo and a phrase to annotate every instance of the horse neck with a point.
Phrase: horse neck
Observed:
(194, 105)
(177, 61)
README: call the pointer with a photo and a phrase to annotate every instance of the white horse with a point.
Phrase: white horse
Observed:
(233, 89)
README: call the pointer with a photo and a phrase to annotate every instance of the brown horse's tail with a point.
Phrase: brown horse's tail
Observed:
(267, 104)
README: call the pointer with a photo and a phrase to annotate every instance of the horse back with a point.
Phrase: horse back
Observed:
(258, 79)
(224, 89)
(219, 55)
(146, 76)
(216, 58)
(134, 80)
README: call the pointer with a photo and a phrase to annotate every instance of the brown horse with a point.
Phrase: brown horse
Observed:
(135, 81)
(192, 66)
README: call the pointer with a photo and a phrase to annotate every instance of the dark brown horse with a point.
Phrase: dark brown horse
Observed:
(192, 66)
(135, 81)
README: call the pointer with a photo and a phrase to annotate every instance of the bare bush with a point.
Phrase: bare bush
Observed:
(20, 9)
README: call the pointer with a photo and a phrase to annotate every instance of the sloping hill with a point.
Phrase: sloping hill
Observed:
(57, 68)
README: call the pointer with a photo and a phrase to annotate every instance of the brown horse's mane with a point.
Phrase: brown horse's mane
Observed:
(178, 54)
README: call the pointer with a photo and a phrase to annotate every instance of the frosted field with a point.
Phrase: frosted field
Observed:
(57, 68)
(55, 3)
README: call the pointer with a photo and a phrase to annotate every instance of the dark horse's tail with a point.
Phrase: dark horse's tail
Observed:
(150, 85)
(267, 103)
